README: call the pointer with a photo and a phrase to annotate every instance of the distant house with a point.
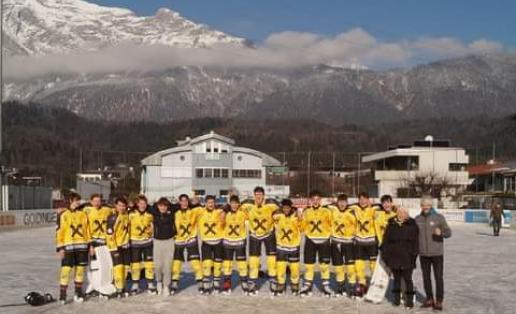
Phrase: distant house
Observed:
(425, 166)
(494, 177)
(210, 164)
(93, 183)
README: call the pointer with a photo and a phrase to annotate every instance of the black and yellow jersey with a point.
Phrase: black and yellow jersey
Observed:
(288, 230)
(381, 220)
(140, 227)
(261, 224)
(211, 225)
(72, 232)
(235, 232)
(317, 223)
(117, 234)
(343, 224)
(366, 231)
(97, 222)
(186, 225)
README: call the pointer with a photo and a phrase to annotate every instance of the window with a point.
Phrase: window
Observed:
(200, 192)
(208, 150)
(457, 167)
(199, 172)
(247, 173)
(216, 173)
(208, 172)
(225, 173)
(224, 192)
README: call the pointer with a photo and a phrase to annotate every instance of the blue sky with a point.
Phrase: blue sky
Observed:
(465, 20)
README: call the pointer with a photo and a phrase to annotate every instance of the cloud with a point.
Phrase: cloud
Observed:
(355, 47)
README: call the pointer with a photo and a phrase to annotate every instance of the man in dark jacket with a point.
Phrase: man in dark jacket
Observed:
(433, 229)
(399, 251)
(163, 243)
(496, 218)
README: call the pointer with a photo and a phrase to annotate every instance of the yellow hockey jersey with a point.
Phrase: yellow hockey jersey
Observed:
(261, 223)
(317, 223)
(366, 231)
(211, 225)
(186, 225)
(97, 222)
(117, 234)
(140, 227)
(235, 232)
(343, 224)
(288, 231)
(72, 232)
(381, 220)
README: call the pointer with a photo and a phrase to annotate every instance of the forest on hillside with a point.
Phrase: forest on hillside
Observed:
(56, 144)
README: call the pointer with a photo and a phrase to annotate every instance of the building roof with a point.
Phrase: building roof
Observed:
(507, 167)
(410, 151)
(186, 146)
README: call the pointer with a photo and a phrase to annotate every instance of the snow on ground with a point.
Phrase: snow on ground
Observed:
(480, 273)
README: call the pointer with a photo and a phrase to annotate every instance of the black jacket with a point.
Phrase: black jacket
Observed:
(400, 244)
(164, 224)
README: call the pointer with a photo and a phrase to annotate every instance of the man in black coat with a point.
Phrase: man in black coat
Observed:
(399, 251)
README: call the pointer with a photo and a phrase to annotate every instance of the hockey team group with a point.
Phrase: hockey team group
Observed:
(148, 245)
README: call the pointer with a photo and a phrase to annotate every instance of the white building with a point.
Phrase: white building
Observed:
(402, 169)
(210, 164)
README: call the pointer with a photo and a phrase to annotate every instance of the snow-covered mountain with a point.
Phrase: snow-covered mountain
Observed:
(462, 87)
(38, 27)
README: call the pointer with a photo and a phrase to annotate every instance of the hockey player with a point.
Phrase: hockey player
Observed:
(344, 226)
(385, 211)
(261, 230)
(186, 240)
(288, 240)
(140, 234)
(317, 230)
(72, 242)
(97, 220)
(234, 243)
(211, 231)
(117, 239)
(366, 243)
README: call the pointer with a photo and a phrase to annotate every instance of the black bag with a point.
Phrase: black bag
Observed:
(36, 299)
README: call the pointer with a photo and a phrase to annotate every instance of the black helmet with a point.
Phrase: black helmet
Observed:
(36, 299)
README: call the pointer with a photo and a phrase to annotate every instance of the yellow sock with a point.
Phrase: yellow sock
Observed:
(309, 272)
(176, 269)
(271, 266)
(325, 271)
(119, 276)
(217, 269)
(360, 270)
(149, 270)
(79, 274)
(242, 268)
(207, 264)
(281, 268)
(64, 275)
(352, 275)
(135, 271)
(294, 272)
(227, 267)
(197, 269)
(340, 273)
(254, 267)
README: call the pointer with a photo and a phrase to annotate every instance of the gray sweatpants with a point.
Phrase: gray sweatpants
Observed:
(163, 254)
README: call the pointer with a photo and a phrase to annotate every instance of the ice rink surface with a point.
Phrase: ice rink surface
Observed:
(480, 277)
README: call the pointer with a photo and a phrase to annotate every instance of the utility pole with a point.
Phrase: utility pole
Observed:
(333, 175)
(308, 176)
(358, 175)
(493, 183)
(1, 106)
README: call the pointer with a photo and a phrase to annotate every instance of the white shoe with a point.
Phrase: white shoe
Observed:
(78, 299)
(159, 287)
